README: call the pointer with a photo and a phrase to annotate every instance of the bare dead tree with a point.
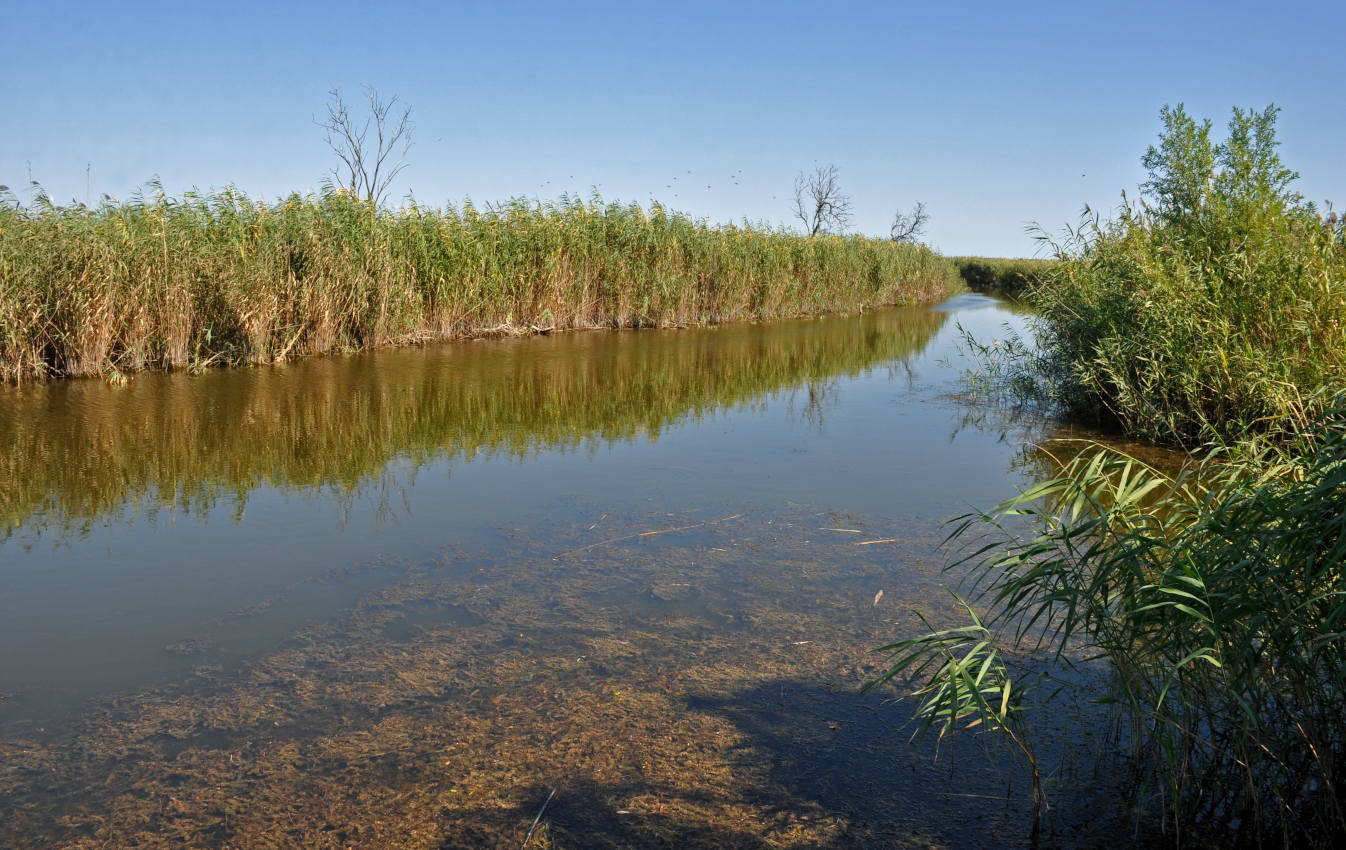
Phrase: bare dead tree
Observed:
(367, 165)
(819, 203)
(909, 227)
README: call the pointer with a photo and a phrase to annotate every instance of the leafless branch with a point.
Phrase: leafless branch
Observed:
(909, 227)
(819, 203)
(367, 167)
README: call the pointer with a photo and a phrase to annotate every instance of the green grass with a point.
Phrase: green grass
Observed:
(163, 283)
(1011, 277)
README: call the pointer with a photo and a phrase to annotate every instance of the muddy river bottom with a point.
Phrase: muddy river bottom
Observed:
(596, 679)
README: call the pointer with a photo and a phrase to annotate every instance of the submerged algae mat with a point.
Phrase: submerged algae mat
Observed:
(677, 681)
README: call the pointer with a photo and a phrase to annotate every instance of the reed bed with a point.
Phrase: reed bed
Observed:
(1012, 277)
(1212, 308)
(208, 279)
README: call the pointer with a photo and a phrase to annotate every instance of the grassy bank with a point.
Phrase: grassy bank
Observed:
(1010, 277)
(217, 279)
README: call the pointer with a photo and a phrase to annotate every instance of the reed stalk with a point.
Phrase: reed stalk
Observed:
(211, 279)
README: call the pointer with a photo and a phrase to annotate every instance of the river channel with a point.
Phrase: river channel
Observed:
(630, 580)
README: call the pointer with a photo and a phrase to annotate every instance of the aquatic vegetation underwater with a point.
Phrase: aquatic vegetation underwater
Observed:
(207, 279)
(677, 680)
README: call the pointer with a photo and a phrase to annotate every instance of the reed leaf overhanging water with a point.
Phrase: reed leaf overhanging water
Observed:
(163, 282)
(1216, 598)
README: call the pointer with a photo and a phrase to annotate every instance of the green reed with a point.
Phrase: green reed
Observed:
(162, 282)
(1213, 307)
(1217, 599)
(1011, 277)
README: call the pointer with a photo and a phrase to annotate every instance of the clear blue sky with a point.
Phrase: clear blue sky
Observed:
(993, 114)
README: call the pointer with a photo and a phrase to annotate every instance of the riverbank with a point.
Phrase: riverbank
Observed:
(1010, 277)
(219, 279)
(1207, 315)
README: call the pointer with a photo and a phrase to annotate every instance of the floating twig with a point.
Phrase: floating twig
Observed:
(645, 534)
(872, 542)
(529, 837)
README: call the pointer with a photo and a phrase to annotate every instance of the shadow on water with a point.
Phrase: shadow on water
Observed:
(842, 756)
(685, 681)
(813, 766)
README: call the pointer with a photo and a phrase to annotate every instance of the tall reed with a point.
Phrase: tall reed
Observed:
(164, 282)
(1217, 599)
(1005, 276)
(1214, 307)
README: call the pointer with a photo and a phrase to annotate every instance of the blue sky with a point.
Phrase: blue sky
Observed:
(993, 114)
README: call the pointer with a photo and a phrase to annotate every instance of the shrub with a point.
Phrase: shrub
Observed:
(1214, 307)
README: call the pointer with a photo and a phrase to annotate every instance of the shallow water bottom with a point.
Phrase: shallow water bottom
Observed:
(594, 680)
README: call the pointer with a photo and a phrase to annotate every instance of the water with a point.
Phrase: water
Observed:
(341, 522)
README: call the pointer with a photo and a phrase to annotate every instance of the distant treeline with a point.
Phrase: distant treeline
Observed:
(205, 279)
(1003, 276)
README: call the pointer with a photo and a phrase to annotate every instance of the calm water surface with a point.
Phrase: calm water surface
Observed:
(161, 540)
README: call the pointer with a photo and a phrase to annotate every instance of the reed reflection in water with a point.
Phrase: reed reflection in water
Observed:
(181, 519)
(75, 452)
(396, 598)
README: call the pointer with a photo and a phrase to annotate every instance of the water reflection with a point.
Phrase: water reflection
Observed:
(653, 579)
(77, 452)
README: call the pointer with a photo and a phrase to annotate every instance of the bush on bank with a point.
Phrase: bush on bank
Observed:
(1214, 307)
